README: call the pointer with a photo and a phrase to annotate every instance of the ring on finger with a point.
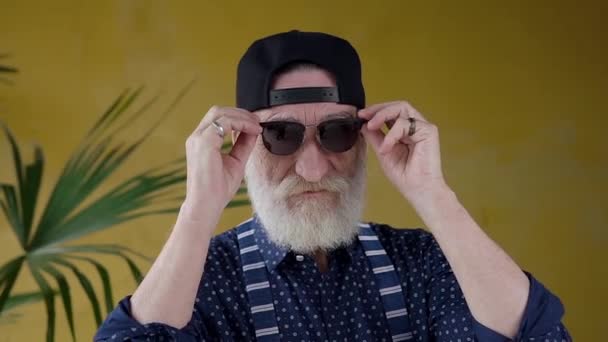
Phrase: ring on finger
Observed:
(218, 128)
(412, 126)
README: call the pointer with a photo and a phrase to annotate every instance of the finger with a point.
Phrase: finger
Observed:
(207, 119)
(412, 112)
(407, 110)
(212, 137)
(374, 138)
(242, 147)
(238, 124)
(217, 112)
(386, 115)
(239, 113)
(424, 131)
(396, 134)
(242, 110)
(203, 123)
(368, 112)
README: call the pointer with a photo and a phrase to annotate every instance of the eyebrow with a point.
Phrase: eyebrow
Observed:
(273, 117)
(340, 114)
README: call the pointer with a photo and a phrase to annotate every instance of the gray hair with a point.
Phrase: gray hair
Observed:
(298, 66)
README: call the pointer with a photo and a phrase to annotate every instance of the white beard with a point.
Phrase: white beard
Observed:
(305, 226)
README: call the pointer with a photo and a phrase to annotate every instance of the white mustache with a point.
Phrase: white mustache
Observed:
(294, 184)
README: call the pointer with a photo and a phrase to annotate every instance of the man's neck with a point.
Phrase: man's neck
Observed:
(321, 259)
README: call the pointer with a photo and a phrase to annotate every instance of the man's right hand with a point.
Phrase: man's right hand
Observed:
(213, 177)
(167, 293)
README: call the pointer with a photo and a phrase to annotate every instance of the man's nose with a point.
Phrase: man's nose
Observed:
(312, 163)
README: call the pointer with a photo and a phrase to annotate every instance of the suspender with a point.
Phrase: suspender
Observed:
(260, 295)
(388, 283)
(257, 286)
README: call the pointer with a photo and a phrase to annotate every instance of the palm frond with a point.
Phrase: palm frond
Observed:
(112, 249)
(10, 208)
(104, 275)
(86, 284)
(116, 206)
(66, 297)
(21, 299)
(70, 211)
(5, 69)
(48, 253)
(19, 204)
(8, 276)
(8, 314)
(86, 171)
(49, 302)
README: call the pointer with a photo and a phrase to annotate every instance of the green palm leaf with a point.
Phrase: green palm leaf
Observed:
(86, 284)
(116, 206)
(8, 276)
(90, 166)
(116, 250)
(21, 203)
(14, 301)
(63, 218)
(5, 69)
(49, 301)
(99, 248)
(64, 289)
(104, 275)
(10, 208)
(21, 299)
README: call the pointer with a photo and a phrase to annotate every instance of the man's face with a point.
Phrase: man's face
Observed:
(311, 199)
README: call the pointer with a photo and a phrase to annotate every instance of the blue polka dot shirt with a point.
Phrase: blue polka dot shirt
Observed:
(341, 304)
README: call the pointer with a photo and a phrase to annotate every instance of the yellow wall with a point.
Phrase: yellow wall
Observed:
(518, 91)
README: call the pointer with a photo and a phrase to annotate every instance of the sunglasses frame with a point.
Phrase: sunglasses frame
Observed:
(358, 122)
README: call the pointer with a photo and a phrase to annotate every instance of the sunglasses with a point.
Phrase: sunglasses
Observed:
(335, 135)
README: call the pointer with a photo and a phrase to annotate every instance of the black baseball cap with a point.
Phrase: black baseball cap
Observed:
(266, 56)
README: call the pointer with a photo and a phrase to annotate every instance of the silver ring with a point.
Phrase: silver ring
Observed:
(412, 126)
(218, 128)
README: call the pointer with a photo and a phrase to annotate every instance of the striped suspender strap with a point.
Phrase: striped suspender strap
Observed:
(388, 283)
(260, 294)
(257, 285)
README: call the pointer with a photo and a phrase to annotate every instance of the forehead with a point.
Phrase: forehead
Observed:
(305, 111)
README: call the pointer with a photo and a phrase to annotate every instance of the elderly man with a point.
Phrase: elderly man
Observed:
(305, 268)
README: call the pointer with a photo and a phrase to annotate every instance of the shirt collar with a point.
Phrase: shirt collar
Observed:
(274, 254)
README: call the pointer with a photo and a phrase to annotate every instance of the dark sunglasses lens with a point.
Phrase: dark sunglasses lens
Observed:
(339, 135)
(282, 138)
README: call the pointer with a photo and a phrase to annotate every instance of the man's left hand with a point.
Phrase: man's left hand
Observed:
(412, 163)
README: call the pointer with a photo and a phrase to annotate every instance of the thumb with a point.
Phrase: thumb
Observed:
(374, 138)
(243, 146)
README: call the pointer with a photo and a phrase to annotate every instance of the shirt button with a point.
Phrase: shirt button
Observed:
(300, 257)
